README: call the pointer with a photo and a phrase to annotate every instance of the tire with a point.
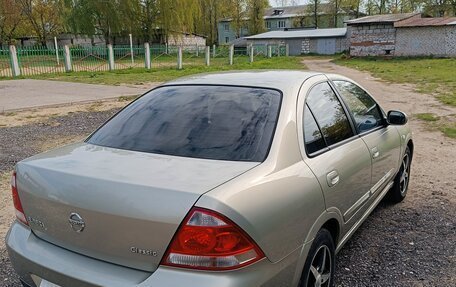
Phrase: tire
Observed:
(322, 247)
(398, 192)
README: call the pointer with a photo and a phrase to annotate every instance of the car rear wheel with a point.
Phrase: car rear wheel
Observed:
(399, 190)
(319, 267)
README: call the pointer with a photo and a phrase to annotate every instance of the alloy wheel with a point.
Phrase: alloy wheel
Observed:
(404, 180)
(320, 269)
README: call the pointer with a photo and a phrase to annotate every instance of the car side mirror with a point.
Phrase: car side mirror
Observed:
(397, 118)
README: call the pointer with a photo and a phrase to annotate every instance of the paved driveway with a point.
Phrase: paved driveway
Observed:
(24, 94)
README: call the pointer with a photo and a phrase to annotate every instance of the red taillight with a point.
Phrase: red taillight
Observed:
(209, 241)
(17, 201)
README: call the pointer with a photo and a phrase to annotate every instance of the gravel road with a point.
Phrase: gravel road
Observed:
(17, 143)
(408, 244)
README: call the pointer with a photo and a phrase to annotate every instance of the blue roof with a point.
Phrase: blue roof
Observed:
(305, 33)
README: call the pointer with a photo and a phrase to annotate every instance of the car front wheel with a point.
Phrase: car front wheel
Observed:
(319, 267)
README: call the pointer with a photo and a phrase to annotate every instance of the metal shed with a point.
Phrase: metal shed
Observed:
(305, 41)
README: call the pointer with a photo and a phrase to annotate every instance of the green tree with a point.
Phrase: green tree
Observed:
(335, 10)
(238, 9)
(212, 11)
(437, 8)
(178, 16)
(44, 16)
(313, 9)
(11, 20)
(148, 18)
(255, 9)
(93, 17)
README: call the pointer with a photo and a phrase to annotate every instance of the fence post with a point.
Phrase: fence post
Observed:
(287, 50)
(67, 58)
(179, 58)
(131, 49)
(213, 51)
(56, 51)
(251, 53)
(147, 55)
(197, 50)
(14, 61)
(269, 51)
(231, 54)
(111, 57)
(208, 56)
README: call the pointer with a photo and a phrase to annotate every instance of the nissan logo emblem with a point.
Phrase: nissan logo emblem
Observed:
(76, 222)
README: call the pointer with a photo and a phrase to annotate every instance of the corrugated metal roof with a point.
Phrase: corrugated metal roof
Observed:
(384, 18)
(422, 22)
(310, 33)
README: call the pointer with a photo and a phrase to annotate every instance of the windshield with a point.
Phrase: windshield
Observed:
(210, 122)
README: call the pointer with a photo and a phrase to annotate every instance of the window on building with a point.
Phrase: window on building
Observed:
(227, 39)
(227, 26)
(277, 12)
(268, 24)
(282, 24)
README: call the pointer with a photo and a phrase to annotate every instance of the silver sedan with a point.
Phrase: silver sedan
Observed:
(233, 179)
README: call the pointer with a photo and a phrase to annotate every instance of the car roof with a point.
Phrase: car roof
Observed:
(276, 79)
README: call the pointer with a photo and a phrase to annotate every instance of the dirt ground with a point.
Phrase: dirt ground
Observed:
(409, 244)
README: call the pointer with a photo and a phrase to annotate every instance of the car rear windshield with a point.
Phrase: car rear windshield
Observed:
(210, 122)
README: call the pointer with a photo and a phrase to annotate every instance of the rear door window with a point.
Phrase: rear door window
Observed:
(210, 122)
(329, 114)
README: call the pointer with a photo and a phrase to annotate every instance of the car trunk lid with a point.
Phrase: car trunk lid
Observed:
(115, 205)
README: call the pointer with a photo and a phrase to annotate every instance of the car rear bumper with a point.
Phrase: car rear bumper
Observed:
(33, 258)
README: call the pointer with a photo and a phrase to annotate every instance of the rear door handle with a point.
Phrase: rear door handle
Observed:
(375, 152)
(332, 178)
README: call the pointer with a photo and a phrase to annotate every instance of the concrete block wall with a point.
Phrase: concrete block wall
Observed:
(426, 41)
(372, 39)
(305, 46)
(450, 41)
(187, 40)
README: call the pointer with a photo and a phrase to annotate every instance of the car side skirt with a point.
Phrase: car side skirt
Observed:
(365, 215)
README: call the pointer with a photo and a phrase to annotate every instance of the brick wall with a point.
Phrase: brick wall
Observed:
(426, 41)
(372, 39)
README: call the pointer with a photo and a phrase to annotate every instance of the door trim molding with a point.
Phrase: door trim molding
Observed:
(365, 215)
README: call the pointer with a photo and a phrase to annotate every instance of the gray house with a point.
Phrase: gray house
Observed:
(281, 18)
(305, 41)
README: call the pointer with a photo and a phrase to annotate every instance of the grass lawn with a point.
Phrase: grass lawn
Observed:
(447, 124)
(140, 75)
(431, 76)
